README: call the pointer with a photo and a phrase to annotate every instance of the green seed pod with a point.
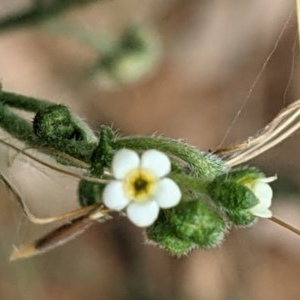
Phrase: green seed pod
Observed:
(162, 235)
(232, 193)
(198, 222)
(189, 225)
(54, 123)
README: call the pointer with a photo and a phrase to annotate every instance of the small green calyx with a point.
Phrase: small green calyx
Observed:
(233, 194)
(103, 153)
(166, 238)
(245, 175)
(89, 192)
(54, 123)
(197, 222)
(187, 226)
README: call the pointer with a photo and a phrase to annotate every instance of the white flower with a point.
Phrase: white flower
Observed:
(140, 186)
(263, 192)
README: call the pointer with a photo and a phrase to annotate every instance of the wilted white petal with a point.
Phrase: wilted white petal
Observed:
(167, 193)
(261, 212)
(142, 214)
(124, 161)
(114, 197)
(157, 162)
(263, 193)
(268, 179)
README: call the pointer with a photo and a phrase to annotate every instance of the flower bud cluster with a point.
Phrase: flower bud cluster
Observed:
(182, 197)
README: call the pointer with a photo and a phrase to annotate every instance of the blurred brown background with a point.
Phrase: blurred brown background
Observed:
(212, 52)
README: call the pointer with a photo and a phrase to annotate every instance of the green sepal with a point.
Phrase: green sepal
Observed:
(89, 192)
(164, 236)
(102, 155)
(244, 174)
(231, 192)
(189, 225)
(198, 222)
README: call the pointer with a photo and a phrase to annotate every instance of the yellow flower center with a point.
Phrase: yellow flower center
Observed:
(139, 184)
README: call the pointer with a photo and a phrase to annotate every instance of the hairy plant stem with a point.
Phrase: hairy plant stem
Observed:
(202, 164)
(23, 102)
(22, 129)
(39, 12)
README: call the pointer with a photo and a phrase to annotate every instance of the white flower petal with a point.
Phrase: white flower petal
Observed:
(124, 161)
(261, 212)
(157, 162)
(263, 193)
(142, 214)
(114, 197)
(167, 193)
